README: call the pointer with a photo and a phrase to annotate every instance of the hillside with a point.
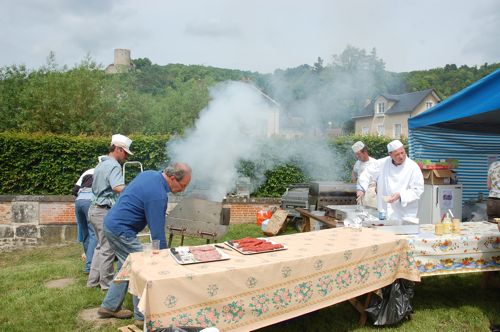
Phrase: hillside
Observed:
(159, 99)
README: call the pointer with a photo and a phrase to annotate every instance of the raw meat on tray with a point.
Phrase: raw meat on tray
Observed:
(256, 245)
(205, 253)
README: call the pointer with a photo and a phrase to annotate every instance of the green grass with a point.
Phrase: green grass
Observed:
(444, 303)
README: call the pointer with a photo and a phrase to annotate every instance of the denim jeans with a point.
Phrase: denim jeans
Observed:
(86, 233)
(122, 246)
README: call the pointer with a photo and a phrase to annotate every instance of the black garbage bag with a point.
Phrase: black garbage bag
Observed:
(181, 329)
(394, 305)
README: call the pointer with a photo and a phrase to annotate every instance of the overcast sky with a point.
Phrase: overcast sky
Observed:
(257, 35)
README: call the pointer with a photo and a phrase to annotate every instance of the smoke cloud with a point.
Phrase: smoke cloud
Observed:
(234, 127)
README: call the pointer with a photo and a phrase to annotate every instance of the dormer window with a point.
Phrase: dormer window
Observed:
(428, 104)
(381, 108)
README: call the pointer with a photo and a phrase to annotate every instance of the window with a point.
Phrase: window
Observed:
(381, 108)
(428, 104)
(380, 130)
(364, 131)
(397, 130)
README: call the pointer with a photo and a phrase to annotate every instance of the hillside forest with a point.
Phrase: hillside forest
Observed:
(167, 99)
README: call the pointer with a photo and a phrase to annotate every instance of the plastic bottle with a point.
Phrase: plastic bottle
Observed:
(447, 224)
(381, 215)
(455, 228)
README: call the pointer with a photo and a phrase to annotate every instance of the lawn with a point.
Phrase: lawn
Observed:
(443, 303)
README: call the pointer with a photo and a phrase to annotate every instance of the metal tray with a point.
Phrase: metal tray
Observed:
(234, 246)
(183, 256)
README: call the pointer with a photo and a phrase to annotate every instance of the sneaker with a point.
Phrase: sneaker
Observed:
(120, 314)
(139, 323)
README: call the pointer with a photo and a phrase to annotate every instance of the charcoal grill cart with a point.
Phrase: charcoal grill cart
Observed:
(302, 200)
(195, 217)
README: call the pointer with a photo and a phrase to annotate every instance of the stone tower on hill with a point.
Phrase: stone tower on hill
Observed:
(122, 63)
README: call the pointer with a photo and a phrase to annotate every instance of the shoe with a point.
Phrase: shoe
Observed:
(120, 314)
(139, 323)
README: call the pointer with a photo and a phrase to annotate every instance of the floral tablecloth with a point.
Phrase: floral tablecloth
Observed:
(475, 249)
(247, 292)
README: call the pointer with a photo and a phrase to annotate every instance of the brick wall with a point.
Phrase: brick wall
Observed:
(57, 213)
(36, 220)
(50, 220)
(246, 213)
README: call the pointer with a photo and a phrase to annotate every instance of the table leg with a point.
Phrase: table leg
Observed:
(360, 307)
(306, 227)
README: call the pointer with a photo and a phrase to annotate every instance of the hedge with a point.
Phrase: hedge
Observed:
(47, 164)
(41, 164)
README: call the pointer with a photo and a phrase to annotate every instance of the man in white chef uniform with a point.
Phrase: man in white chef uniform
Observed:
(363, 161)
(399, 183)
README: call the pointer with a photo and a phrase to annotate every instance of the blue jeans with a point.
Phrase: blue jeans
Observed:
(122, 246)
(86, 234)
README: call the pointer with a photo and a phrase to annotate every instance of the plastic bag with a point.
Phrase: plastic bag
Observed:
(395, 304)
(181, 329)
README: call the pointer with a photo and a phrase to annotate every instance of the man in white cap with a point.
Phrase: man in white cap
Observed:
(107, 183)
(363, 161)
(399, 183)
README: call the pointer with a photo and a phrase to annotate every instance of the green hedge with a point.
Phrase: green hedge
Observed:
(41, 164)
(46, 164)
(377, 148)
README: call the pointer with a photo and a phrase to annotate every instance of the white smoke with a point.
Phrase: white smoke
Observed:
(232, 128)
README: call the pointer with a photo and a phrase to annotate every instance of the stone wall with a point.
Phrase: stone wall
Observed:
(50, 220)
(36, 220)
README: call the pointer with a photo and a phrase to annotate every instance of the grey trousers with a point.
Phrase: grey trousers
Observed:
(102, 269)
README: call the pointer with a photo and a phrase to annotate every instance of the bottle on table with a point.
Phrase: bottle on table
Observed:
(447, 224)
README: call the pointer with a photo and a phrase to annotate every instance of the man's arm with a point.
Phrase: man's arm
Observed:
(155, 212)
(414, 190)
(119, 189)
(76, 189)
(116, 179)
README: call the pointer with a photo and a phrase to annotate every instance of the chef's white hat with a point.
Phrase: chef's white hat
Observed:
(394, 145)
(358, 146)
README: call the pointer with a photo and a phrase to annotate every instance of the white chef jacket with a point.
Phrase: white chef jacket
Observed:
(407, 179)
(360, 166)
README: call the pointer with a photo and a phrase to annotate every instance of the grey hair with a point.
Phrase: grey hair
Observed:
(176, 171)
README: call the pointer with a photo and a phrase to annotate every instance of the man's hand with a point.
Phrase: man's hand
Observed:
(359, 195)
(393, 198)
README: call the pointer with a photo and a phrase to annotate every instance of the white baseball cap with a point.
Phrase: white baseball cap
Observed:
(123, 142)
(394, 145)
(358, 146)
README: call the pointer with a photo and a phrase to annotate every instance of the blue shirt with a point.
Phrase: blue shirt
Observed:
(143, 202)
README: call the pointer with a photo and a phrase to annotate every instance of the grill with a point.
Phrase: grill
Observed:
(322, 193)
(319, 194)
(297, 195)
(199, 218)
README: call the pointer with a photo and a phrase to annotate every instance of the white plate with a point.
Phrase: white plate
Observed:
(183, 256)
(234, 246)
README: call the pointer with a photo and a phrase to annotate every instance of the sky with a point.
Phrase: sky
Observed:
(257, 35)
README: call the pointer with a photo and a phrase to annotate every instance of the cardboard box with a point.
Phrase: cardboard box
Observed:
(437, 176)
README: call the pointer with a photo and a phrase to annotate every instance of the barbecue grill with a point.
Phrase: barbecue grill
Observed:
(317, 193)
(199, 218)
(297, 195)
(323, 193)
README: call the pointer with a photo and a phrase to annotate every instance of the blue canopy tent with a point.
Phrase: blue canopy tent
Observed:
(466, 126)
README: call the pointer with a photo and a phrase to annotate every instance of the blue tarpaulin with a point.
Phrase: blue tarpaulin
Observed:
(466, 127)
(475, 108)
